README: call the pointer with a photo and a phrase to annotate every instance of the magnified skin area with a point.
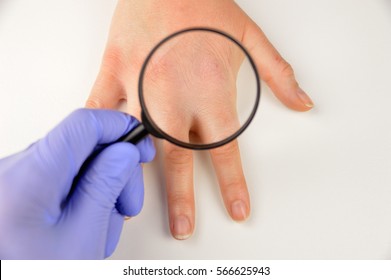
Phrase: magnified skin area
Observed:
(189, 87)
(137, 26)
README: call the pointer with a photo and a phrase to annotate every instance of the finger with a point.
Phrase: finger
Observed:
(93, 201)
(147, 149)
(178, 163)
(114, 232)
(226, 159)
(108, 90)
(228, 167)
(274, 70)
(60, 155)
(131, 199)
(69, 144)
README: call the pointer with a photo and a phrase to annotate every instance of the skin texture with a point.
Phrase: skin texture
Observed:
(196, 103)
(137, 26)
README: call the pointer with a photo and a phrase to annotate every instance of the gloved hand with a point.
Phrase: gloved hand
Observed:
(55, 205)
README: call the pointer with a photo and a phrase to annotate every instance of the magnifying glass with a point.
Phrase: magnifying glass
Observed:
(198, 89)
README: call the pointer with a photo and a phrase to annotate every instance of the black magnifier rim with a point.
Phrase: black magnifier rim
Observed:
(160, 133)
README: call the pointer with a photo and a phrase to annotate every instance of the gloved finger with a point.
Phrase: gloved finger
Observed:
(274, 70)
(91, 204)
(114, 232)
(147, 149)
(60, 155)
(67, 146)
(131, 198)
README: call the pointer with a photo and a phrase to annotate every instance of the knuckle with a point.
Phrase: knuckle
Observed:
(286, 69)
(107, 84)
(181, 200)
(113, 58)
(178, 156)
(235, 188)
(283, 70)
(227, 151)
(94, 103)
(117, 59)
(112, 68)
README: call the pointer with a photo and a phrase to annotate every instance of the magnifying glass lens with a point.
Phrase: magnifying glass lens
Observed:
(199, 89)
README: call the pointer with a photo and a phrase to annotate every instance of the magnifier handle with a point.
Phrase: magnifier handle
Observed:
(135, 135)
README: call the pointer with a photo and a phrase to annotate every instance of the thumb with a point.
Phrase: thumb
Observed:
(274, 70)
(98, 189)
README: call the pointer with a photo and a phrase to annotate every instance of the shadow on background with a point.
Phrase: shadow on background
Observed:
(3, 8)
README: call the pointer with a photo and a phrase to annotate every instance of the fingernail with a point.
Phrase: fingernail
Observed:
(182, 228)
(239, 210)
(305, 98)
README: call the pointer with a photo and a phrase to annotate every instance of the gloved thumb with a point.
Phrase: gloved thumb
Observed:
(99, 186)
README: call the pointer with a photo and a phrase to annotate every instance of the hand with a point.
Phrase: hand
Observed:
(136, 27)
(56, 205)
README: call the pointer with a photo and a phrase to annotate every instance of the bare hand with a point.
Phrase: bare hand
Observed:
(136, 27)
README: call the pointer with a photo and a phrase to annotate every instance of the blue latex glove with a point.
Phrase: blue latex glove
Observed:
(54, 207)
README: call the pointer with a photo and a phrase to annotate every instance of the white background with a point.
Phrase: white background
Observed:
(320, 182)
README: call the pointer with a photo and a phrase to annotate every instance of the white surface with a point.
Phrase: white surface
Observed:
(320, 182)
